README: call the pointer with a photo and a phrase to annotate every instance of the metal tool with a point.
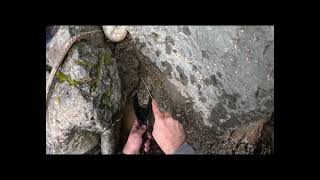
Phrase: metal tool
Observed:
(143, 113)
(146, 86)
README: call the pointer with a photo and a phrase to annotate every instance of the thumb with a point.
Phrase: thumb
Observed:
(142, 130)
(155, 108)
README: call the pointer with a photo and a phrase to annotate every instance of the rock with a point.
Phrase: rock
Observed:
(110, 139)
(249, 133)
(253, 134)
(50, 31)
(196, 145)
(222, 152)
(47, 75)
(247, 139)
(81, 141)
(115, 33)
(225, 71)
(228, 151)
(85, 95)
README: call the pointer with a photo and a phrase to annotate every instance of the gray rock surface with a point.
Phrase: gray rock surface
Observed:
(226, 71)
(85, 97)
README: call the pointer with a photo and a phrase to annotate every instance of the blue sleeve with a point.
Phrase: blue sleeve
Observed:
(185, 149)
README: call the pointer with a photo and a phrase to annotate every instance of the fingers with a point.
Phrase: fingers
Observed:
(149, 135)
(156, 111)
(135, 125)
(147, 145)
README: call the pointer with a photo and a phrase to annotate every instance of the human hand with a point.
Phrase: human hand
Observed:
(134, 141)
(167, 132)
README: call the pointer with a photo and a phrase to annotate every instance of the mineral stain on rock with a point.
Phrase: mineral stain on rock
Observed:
(192, 79)
(168, 68)
(219, 75)
(212, 80)
(203, 99)
(199, 86)
(217, 113)
(266, 48)
(204, 54)
(140, 44)
(80, 141)
(169, 39)
(158, 53)
(168, 49)
(183, 77)
(186, 30)
(194, 68)
(168, 42)
(230, 99)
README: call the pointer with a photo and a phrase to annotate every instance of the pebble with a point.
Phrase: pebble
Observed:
(229, 151)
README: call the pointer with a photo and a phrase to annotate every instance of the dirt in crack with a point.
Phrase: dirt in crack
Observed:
(132, 64)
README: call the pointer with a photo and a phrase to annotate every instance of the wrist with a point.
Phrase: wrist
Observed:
(174, 148)
(128, 150)
(125, 151)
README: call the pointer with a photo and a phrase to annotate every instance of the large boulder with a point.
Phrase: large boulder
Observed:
(85, 96)
(226, 71)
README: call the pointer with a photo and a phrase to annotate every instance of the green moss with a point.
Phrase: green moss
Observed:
(95, 82)
(107, 59)
(109, 104)
(72, 82)
(108, 93)
(93, 85)
(96, 70)
(99, 70)
(84, 63)
(84, 81)
(106, 98)
(62, 77)
(59, 99)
